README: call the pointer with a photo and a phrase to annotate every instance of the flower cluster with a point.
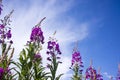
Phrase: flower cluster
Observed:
(76, 65)
(5, 31)
(54, 56)
(99, 77)
(91, 73)
(37, 57)
(53, 49)
(77, 60)
(37, 35)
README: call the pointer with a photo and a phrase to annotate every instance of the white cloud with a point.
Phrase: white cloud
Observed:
(68, 30)
(108, 75)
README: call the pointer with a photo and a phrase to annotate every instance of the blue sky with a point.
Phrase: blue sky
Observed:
(95, 24)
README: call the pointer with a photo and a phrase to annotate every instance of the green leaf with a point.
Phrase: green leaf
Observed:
(21, 59)
(24, 54)
(58, 77)
(3, 48)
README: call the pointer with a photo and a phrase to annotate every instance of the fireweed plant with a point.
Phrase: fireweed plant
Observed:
(30, 60)
(6, 47)
(91, 73)
(53, 57)
(76, 65)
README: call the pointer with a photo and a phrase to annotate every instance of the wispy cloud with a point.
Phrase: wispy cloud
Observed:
(68, 30)
(108, 75)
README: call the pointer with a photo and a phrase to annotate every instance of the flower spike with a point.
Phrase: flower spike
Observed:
(53, 53)
(76, 64)
(76, 46)
(54, 33)
(7, 19)
(39, 24)
(91, 62)
(99, 70)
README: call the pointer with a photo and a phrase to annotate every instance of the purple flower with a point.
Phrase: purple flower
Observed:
(48, 65)
(58, 57)
(99, 77)
(57, 49)
(5, 33)
(48, 52)
(48, 59)
(11, 42)
(52, 45)
(91, 73)
(1, 72)
(37, 35)
(8, 34)
(53, 50)
(76, 62)
(76, 59)
(1, 26)
(37, 56)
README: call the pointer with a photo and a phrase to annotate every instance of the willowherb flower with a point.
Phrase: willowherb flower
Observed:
(8, 34)
(91, 73)
(53, 49)
(99, 77)
(1, 26)
(5, 30)
(76, 61)
(53, 46)
(37, 56)
(37, 35)
(48, 65)
(5, 33)
(48, 58)
(1, 72)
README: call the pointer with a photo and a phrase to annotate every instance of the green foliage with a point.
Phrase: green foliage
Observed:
(53, 68)
(29, 68)
(76, 75)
